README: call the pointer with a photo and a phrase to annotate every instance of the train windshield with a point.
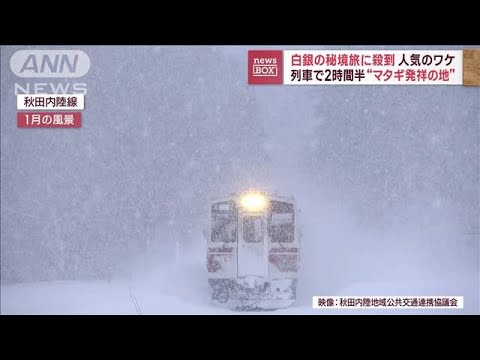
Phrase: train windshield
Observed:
(281, 222)
(252, 229)
(224, 222)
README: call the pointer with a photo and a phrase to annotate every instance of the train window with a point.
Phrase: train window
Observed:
(281, 222)
(224, 222)
(252, 229)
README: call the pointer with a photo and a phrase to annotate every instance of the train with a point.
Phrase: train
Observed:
(253, 256)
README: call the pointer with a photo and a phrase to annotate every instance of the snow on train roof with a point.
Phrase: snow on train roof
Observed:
(270, 195)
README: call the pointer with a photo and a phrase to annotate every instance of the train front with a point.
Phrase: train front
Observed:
(253, 253)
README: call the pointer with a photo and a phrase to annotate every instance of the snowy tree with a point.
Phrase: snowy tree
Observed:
(399, 154)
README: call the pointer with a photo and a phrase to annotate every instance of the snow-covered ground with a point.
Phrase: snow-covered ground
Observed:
(76, 297)
(164, 285)
(183, 290)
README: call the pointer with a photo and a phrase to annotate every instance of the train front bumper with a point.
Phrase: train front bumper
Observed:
(254, 292)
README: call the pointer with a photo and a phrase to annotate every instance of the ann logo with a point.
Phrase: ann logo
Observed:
(45, 63)
(50, 63)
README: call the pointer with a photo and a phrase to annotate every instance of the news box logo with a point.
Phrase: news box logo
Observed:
(265, 67)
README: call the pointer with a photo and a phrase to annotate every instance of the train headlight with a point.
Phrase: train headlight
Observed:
(253, 202)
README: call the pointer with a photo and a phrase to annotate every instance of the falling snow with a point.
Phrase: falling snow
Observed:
(387, 179)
